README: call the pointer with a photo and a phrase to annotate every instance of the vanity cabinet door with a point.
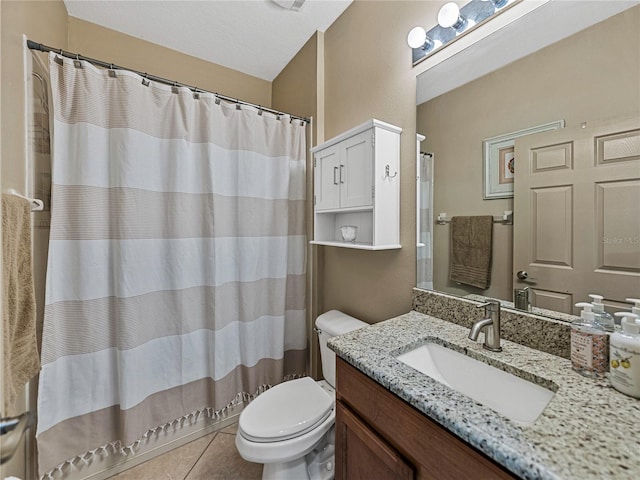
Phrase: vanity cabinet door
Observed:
(362, 454)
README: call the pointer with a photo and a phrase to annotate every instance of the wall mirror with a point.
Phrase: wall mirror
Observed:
(576, 199)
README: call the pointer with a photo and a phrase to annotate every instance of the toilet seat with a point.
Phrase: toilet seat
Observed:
(286, 411)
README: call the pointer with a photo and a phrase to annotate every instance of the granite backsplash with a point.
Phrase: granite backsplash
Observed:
(534, 331)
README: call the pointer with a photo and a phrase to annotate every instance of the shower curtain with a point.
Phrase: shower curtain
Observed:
(424, 251)
(176, 271)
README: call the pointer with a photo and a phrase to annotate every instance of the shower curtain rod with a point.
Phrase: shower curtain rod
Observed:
(44, 48)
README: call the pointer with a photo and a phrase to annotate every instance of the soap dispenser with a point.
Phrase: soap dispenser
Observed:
(604, 319)
(636, 305)
(624, 370)
(589, 344)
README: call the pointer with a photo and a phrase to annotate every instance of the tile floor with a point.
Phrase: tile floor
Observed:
(209, 458)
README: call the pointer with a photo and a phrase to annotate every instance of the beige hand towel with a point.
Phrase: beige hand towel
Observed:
(471, 245)
(21, 360)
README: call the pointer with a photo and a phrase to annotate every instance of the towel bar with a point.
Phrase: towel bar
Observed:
(505, 219)
(37, 205)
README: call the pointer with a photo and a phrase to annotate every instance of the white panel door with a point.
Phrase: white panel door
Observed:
(577, 214)
(327, 179)
(356, 171)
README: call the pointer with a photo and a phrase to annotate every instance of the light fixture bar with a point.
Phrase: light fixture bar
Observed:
(453, 23)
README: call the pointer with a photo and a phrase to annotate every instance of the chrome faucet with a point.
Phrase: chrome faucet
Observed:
(491, 326)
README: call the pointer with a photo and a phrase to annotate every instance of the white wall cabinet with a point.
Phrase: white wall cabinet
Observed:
(357, 182)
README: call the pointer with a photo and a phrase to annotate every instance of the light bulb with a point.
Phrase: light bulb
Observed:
(416, 38)
(449, 16)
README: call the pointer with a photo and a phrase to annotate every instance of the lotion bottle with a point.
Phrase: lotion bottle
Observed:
(624, 369)
(589, 344)
(604, 319)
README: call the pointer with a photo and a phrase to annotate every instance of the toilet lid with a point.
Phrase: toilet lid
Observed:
(286, 411)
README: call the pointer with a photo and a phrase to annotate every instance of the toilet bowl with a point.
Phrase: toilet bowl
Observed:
(289, 428)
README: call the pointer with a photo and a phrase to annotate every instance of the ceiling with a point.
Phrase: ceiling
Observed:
(256, 37)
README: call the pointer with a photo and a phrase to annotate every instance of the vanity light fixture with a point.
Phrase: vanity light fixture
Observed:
(453, 22)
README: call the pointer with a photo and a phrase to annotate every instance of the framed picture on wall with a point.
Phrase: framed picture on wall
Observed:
(500, 163)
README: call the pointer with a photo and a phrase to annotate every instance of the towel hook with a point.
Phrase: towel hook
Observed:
(386, 173)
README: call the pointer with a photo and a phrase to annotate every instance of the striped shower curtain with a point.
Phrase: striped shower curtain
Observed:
(175, 279)
(424, 252)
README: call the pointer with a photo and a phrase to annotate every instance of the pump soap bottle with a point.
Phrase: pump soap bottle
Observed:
(624, 371)
(604, 319)
(636, 307)
(589, 344)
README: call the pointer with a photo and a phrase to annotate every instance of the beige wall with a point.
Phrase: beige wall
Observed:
(44, 22)
(590, 76)
(369, 75)
(108, 45)
(295, 90)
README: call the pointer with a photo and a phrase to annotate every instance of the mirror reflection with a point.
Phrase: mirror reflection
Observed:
(576, 231)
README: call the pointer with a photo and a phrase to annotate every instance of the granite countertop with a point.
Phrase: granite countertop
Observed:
(588, 431)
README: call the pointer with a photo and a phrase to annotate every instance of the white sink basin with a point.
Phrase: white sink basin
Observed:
(511, 396)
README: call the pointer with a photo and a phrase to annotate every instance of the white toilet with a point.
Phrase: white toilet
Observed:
(289, 428)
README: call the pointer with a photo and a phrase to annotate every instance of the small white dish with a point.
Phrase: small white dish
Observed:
(349, 233)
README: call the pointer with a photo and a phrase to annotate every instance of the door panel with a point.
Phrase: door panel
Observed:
(618, 226)
(327, 186)
(577, 222)
(361, 454)
(556, 301)
(356, 175)
(622, 147)
(552, 235)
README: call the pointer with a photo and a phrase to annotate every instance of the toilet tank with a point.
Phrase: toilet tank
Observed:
(329, 325)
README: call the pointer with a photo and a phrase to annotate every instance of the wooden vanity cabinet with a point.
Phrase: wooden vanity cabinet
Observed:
(380, 436)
